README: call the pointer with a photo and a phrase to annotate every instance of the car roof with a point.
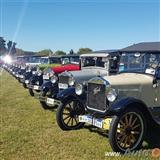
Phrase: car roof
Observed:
(62, 56)
(142, 47)
(95, 55)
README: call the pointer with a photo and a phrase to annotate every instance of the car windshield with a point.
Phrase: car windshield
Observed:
(34, 59)
(94, 61)
(44, 60)
(55, 60)
(65, 60)
(74, 60)
(23, 59)
(137, 62)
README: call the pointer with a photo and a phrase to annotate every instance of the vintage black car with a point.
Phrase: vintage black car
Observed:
(37, 80)
(30, 71)
(91, 65)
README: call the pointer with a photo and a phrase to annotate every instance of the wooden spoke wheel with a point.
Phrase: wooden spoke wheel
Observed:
(67, 115)
(127, 131)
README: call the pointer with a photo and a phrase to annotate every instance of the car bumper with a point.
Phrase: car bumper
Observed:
(49, 101)
(97, 122)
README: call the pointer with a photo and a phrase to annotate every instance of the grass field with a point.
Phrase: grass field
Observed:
(28, 132)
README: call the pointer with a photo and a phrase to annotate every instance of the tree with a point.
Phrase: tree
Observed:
(2, 46)
(45, 52)
(19, 52)
(9, 44)
(11, 47)
(84, 50)
(59, 52)
(71, 52)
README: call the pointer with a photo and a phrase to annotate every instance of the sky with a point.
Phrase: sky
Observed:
(72, 24)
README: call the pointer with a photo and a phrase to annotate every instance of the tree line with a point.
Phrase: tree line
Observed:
(10, 48)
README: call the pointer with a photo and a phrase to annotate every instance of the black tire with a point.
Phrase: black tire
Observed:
(24, 85)
(31, 92)
(44, 105)
(130, 133)
(73, 112)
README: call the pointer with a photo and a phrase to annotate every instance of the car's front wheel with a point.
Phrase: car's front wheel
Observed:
(67, 114)
(24, 85)
(127, 131)
(31, 91)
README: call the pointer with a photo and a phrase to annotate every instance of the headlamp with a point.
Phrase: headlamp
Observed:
(112, 95)
(79, 89)
(71, 81)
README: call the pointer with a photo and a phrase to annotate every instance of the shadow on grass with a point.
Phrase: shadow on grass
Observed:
(101, 132)
(152, 138)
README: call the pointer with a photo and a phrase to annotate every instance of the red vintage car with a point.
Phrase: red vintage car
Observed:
(67, 67)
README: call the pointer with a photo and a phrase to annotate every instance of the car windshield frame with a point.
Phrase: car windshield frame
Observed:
(129, 61)
(34, 59)
(94, 61)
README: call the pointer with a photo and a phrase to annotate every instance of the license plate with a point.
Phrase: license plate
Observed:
(36, 87)
(26, 81)
(50, 101)
(106, 123)
(98, 122)
(45, 77)
(62, 86)
(21, 76)
(33, 72)
(86, 119)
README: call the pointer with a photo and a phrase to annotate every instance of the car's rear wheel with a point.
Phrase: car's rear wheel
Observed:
(67, 114)
(127, 131)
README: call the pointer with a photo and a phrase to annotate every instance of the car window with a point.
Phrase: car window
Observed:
(44, 60)
(34, 59)
(93, 61)
(55, 60)
(65, 60)
(74, 60)
(135, 62)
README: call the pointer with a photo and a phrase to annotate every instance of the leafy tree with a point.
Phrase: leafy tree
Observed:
(71, 52)
(9, 44)
(84, 50)
(19, 52)
(11, 47)
(45, 52)
(2, 46)
(59, 52)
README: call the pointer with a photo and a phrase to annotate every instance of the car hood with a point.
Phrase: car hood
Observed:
(126, 79)
(131, 84)
(69, 67)
(86, 73)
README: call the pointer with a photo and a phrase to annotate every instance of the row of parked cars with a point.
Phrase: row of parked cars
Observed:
(117, 91)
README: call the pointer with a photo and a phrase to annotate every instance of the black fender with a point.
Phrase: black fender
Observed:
(70, 93)
(49, 86)
(35, 78)
(120, 106)
(27, 75)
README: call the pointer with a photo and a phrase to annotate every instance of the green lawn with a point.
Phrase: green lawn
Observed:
(29, 132)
